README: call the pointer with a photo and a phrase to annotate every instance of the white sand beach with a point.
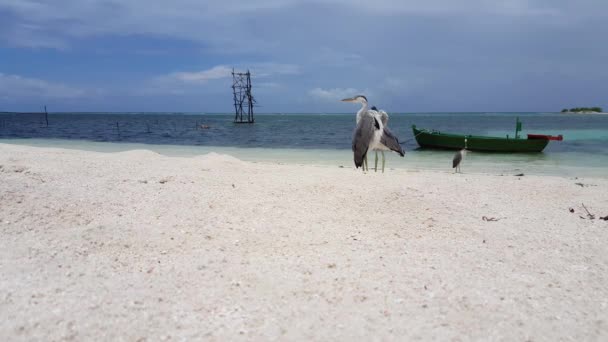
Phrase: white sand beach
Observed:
(138, 246)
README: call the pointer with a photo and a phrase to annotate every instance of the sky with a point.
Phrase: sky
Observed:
(304, 55)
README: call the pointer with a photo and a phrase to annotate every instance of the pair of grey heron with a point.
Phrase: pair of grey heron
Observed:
(372, 133)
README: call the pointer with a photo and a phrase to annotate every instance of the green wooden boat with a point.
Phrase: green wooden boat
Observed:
(439, 140)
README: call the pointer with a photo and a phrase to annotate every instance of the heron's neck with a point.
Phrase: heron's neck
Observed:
(361, 111)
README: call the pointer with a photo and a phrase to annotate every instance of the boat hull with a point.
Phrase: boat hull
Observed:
(437, 140)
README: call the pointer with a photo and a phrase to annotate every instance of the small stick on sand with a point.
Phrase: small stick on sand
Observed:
(591, 217)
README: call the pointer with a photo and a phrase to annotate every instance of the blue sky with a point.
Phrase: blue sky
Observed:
(434, 55)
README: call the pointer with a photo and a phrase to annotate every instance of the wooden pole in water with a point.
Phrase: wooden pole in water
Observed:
(46, 116)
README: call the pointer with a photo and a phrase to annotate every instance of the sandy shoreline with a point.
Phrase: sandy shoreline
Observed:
(139, 246)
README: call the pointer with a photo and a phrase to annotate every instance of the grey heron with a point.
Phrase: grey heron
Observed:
(371, 133)
(458, 157)
(384, 119)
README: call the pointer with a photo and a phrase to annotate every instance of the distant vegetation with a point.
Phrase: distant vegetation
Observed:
(582, 109)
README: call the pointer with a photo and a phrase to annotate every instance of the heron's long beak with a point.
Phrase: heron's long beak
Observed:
(350, 99)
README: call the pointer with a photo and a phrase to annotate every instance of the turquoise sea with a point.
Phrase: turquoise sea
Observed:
(321, 138)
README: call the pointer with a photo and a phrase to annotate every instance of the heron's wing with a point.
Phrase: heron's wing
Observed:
(457, 159)
(380, 114)
(362, 137)
(389, 140)
(383, 117)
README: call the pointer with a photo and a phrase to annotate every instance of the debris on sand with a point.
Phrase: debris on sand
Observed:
(491, 219)
(584, 185)
(591, 216)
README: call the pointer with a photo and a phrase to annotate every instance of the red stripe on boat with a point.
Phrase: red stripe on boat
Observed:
(545, 137)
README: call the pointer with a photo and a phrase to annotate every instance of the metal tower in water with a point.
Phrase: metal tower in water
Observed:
(241, 88)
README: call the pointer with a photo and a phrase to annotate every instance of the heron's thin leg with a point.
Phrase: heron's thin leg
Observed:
(376, 163)
(382, 161)
(364, 163)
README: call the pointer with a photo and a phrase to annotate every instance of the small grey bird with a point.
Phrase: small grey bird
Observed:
(458, 157)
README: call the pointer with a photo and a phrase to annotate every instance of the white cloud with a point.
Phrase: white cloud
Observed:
(216, 78)
(441, 7)
(335, 94)
(271, 69)
(218, 72)
(54, 23)
(65, 9)
(15, 86)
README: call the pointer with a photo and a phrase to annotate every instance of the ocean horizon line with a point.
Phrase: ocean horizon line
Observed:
(265, 113)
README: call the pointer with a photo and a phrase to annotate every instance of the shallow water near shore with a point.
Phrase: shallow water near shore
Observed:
(559, 164)
(322, 139)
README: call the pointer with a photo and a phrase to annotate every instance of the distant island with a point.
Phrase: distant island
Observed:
(583, 110)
